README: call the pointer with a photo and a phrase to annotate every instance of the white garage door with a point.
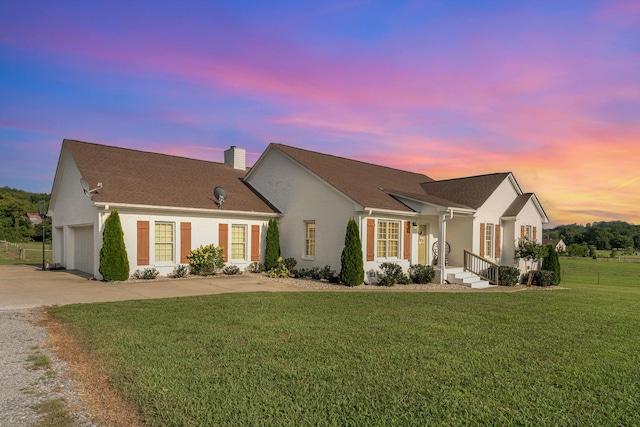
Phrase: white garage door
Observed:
(83, 249)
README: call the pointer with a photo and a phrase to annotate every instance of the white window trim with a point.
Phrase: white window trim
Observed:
(305, 255)
(489, 252)
(173, 244)
(377, 239)
(245, 243)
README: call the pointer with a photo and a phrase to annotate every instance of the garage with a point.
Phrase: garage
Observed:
(83, 249)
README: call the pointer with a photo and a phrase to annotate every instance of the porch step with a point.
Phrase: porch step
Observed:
(466, 278)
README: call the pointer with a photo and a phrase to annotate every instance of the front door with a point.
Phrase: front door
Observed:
(423, 244)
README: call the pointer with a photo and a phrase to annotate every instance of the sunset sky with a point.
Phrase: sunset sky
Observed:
(549, 90)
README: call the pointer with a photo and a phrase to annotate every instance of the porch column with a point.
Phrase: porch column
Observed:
(442, 246)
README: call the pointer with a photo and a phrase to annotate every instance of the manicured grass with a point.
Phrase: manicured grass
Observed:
(537, 357)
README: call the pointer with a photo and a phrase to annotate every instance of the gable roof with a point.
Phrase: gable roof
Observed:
(143, 178)
(520, 202)
(470, 191)
(516, 206)
(362, 182)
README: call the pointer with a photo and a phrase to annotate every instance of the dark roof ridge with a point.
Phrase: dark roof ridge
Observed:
(143, 151)
(472, 176)
(277, 144)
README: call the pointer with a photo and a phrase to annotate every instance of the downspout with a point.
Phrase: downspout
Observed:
(442, 244)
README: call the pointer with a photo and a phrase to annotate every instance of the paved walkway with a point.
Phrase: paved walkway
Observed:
(24, 286)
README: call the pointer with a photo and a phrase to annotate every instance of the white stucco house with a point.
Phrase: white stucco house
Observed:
(165, 203)
(404, 217)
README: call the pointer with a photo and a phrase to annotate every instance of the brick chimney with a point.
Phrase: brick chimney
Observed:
(235, 157)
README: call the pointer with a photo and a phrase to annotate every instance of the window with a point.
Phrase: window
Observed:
(527, 232)
(310, 239)
(488, 240)
(238, 242)
(164, 240)
(388, 239)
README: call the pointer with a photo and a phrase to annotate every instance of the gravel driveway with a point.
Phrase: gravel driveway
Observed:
(23, 387)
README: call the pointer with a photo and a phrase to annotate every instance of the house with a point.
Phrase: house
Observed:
(165, 203)
(34, 217)
(404, 217)
(557, 243)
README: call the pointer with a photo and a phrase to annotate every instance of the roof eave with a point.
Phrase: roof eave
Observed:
(218, 212)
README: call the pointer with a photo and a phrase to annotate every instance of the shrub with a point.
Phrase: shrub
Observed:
(421, 273)
(272, 250)
(508, 276)
(114, 263)
(290, 263)
(231, 270)
(255, 267)
(543, 278)
(391, 274)
(180, 271)
(280, 270)
(552, 262)
(351, 263)
(146, 274)
(206, 260)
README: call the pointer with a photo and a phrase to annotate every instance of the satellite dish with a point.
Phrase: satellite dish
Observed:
(86, 188)
(220, 195)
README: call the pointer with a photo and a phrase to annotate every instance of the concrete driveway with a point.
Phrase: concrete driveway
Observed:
(24, 286)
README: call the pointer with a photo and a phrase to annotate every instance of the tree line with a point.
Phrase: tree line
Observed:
(15, 225)
(605, 235)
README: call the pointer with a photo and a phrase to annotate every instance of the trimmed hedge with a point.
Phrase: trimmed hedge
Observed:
(351, 263)
(422, 274)
(544, 278)
(508, 276)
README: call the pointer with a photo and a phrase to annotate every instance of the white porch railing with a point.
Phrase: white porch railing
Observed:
(486, 269)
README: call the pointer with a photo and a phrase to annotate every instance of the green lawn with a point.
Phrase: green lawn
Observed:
(33, 254)
(537, 357)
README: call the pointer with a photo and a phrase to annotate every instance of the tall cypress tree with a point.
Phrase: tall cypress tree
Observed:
(114, 264)
(272, 251)
(352, 265)
(551, 262)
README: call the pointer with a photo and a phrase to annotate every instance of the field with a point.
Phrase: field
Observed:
(535, 357)
(10, 253)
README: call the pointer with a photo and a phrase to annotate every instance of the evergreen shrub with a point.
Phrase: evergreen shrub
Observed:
(551, 262)
(508, 276)
(421, 273)
(114, 263)
(351, 262)
(543, 278)
(272, 250)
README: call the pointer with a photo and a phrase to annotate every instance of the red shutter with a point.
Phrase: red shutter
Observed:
(407, 240)
(371, 239)
(482, 237)
(255, 243)
(143, 243)
(522, 232)
(223, 240)
(497, 241)
(185, 241)
(535, 232)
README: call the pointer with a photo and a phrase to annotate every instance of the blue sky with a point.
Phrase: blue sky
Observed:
(548, 90)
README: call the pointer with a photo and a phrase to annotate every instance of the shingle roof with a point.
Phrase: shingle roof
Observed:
(144, 178)
(471, 191)
(363, 182)
(516, 206)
